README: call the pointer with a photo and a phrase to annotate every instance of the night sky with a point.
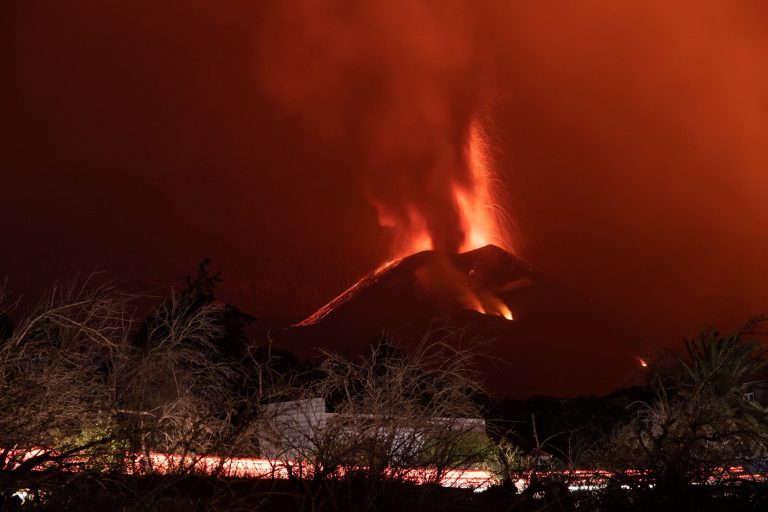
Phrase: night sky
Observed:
(630, 138)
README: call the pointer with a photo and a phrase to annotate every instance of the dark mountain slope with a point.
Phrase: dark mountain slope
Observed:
(559, 343)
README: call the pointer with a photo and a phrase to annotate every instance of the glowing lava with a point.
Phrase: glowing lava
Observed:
(482, 218)
(490, 304)
(482, 221)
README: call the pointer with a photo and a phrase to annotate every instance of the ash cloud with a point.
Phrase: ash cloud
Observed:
(399, 80)
(632, 135)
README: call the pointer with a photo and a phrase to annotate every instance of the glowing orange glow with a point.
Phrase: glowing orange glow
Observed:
(506, 313)
(415, 243)
(477, 306)
(492, 305)
(642, 362)
(387, 264)
(483, 220)
(347, 294)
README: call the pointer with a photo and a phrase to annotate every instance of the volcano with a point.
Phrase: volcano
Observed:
(534, 336)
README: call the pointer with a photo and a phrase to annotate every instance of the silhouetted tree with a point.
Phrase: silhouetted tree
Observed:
(200, 292)
(699, 423)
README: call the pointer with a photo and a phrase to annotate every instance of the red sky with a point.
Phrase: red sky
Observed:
(631, 139)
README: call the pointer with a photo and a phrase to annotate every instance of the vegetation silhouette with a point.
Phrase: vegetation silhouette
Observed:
(90, 390)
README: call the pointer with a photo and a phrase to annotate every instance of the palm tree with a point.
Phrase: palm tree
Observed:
(699, 422)
(722, 364)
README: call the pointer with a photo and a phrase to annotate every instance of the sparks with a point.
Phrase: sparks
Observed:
(481, 216)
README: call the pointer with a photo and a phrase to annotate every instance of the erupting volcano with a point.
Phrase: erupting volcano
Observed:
(478, 287)
(475, 218)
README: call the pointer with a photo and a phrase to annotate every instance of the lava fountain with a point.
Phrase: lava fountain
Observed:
(476, 198)
(483, 221)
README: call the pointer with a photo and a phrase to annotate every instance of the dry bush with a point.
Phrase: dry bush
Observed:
(394, 411)
(175, 392)
(76, 388)
(56, 387)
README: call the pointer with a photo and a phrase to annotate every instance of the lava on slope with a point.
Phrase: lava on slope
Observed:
(533, 336)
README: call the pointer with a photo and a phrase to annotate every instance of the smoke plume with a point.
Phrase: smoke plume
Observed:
(399, 79)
